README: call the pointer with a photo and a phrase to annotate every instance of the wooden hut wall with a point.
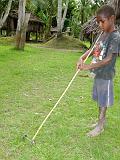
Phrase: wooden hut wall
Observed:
(35, 26)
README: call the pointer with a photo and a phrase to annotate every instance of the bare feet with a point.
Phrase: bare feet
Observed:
(93, 125)
(101, 122)
(95, 132)
(96, 124)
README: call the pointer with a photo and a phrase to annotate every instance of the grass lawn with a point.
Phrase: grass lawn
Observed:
(66, 42)
(30, 84)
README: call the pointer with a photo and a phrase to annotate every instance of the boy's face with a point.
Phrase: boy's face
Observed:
(105, 23)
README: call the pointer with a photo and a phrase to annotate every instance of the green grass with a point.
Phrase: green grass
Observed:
(7, 40)
(66, 42)
(30, 84)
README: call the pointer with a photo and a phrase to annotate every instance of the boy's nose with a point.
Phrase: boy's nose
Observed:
(100, 24)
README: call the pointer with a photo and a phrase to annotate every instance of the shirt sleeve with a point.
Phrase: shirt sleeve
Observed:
(114, 45)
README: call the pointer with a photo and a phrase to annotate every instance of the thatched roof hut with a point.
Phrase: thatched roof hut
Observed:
(35, 25)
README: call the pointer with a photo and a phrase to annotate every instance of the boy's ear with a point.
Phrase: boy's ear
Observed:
(113, 18)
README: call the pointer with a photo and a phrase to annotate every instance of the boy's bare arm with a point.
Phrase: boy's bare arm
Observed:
(98, 64)
(101, 63)
(85, 55)
(82, 58)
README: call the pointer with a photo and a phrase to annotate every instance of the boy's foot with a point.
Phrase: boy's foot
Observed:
(96, 124)
(93, 125)
(95, 132)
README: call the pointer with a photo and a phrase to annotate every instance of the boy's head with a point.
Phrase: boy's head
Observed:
(106, 18)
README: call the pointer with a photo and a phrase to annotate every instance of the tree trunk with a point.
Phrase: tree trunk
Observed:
(59, 18)
(4, 16)
(23, 20)
(64, 15)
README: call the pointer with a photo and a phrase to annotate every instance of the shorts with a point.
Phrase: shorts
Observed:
(103, 92)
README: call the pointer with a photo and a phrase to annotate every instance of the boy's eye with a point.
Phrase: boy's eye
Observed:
(102, 21)
(97, 22)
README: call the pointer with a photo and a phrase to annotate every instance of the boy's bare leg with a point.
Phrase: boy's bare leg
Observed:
(100, 126)
(96, 123)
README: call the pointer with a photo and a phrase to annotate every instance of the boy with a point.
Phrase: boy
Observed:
(103, 68)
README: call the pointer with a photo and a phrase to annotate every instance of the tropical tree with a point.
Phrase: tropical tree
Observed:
(49, 19)
(4, 12)
(46, 10)
(60, 17)
(23, 19)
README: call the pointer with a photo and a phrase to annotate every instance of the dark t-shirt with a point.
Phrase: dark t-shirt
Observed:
(110, 44)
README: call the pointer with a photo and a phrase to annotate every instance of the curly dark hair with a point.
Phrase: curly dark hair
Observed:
(106, 10)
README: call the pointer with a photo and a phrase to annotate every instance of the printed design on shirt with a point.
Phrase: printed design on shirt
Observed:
(99, 52)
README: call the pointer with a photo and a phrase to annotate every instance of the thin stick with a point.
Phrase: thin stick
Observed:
(55, 105)
(64, 92)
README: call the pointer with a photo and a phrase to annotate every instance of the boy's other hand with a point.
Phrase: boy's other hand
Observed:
(85, 67)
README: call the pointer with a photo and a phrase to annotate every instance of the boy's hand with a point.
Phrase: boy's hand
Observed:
(85, 67)
(80, 63)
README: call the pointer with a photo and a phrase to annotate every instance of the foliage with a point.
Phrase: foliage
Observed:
(79, 11)
(3, 5)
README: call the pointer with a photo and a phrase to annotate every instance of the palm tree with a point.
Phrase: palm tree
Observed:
(46, 10)
(60, 17)
(49, 21)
